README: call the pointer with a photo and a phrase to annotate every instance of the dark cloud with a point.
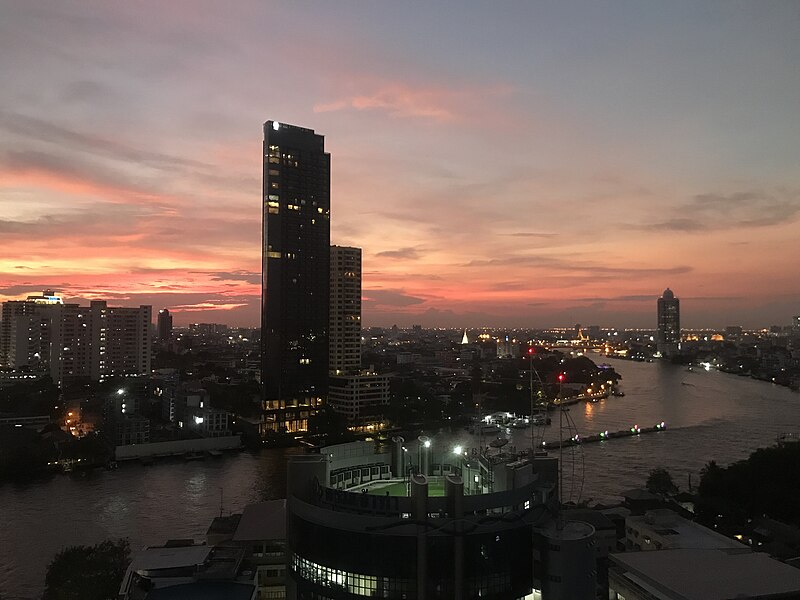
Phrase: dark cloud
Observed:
(686, 225)
(531, 234)
(631, 298)
(27, 288)
(59, 162)
(390, 297)
(401, 253)
(729, 211)
(575, 265)
(382, 276)
(246, 276)
(32, 128)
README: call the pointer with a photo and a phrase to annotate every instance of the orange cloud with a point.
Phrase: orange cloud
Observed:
(402, 100)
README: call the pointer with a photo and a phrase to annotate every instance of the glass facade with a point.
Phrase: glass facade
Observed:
(343, 564)
(295, 275)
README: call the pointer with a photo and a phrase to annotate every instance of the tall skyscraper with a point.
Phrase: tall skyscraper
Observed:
(164, 325)
(295, 284)
(668, 340)
(360, 395)
(345, 307)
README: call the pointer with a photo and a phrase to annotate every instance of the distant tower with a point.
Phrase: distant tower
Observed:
(465, 339)
(164, 326)
(668, 341)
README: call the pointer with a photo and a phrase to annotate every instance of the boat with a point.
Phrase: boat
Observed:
(618, 393)
(540, 420)
(520, 423)
(483, 426)
(193, 456)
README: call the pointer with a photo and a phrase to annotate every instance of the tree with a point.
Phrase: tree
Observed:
(88, 572)
(660, 482)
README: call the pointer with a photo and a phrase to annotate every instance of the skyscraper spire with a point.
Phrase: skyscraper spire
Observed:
(465, 339)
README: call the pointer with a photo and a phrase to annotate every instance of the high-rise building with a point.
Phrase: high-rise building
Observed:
(295, 292)
(69, 341)
(345, 311)
(164, 327)
(360, 395)
(668, 341)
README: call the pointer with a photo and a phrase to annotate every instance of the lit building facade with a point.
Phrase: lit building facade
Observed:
(69, 341)
(345, 310)
(360, 395)
(295, 291)
(668, 340)
(439, 537)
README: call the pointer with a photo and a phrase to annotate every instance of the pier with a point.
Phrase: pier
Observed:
(603, 436)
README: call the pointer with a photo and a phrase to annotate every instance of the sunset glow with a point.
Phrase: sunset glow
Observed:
(500, 179)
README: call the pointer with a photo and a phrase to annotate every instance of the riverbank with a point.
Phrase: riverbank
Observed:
(718, 417)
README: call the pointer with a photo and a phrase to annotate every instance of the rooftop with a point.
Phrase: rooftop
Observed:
(262, 521)
(707, 574)
(682, 532)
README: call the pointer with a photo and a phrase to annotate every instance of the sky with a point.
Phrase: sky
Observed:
(511, 164)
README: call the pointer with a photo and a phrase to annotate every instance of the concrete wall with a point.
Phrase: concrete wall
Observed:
(177, 447)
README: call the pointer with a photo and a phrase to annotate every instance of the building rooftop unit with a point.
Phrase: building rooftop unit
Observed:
(701, 574)
(673, 531)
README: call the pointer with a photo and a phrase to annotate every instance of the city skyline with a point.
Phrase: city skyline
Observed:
(542, 166)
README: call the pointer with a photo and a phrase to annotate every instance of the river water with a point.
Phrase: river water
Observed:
(709, 415)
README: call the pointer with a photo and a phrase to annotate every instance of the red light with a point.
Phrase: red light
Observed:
(530, 350)
(561, 377)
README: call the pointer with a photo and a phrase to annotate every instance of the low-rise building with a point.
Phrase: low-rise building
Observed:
(663, 529)
(700, 574)
(181, 569)
(261, 533)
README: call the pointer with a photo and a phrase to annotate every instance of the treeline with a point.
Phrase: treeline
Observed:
(767, 483)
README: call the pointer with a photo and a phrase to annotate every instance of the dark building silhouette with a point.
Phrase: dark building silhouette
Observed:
(668, 341)
(164, 325)
(295, 275)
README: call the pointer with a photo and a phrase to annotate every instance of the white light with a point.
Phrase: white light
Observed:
(120, 391)
(476, 479)
(198, 420)
(276, 125)
(427, 443)
(458, 450)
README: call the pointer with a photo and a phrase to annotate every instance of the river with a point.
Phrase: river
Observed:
(709, 415)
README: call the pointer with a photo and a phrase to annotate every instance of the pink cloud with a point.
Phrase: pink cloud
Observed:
(402, 100)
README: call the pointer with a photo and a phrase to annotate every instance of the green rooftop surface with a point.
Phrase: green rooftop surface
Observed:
(400, 488)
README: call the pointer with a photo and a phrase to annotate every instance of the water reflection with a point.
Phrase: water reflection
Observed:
(709, 415)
